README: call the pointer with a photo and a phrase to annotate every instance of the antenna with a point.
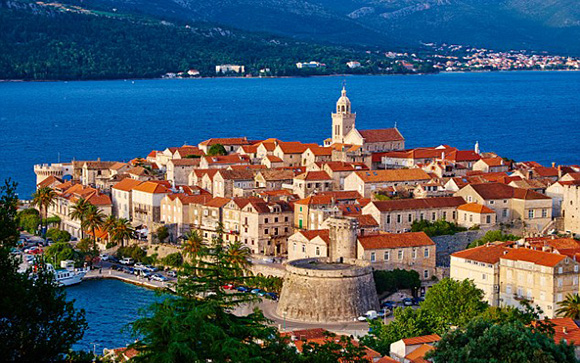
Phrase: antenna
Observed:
(395, 124)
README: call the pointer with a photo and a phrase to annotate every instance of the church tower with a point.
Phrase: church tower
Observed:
(343, 119)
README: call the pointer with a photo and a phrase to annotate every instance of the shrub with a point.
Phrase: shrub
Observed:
(29, 220)
(493, 236)
(58, 235)
(162, 233)
(173, 259)
(437, 228)
(135, 252)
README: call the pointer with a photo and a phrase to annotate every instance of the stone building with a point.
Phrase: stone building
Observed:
(407, 251)
(178, 170)
(371, 181)
(544, 278)
(473, 214)
(311, 182)
(233, 183)
(146, 201)
(571, 206)
(481, 265)
(397, 216)
(122, 198)
(308, 244)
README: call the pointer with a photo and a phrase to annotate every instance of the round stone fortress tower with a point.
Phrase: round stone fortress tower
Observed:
(338, 288)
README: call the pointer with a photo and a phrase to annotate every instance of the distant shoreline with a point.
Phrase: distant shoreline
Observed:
(282, 77)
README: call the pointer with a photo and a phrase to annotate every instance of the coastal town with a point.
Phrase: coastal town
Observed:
(324, 217)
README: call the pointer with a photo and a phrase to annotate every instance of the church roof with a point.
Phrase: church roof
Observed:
(381, 135)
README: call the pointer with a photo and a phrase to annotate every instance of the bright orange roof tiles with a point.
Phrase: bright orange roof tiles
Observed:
(395, 240)
(475, 208)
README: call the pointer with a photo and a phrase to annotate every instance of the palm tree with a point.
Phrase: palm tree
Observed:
(43, 198)
(122, 230)
(193, 244)
(238, 256)
(94, 218)
(570, 307)
(79, 210)
(109, 225)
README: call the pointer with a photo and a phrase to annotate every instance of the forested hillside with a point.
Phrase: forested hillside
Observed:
(41, 42)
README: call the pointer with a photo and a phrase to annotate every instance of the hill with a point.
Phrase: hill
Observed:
(551, 25)
(56, 41)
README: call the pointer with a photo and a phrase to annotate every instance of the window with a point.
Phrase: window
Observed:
(531, 213)
(544, 213)
(276, 220)
(400, 254)
(560, 282)
(434, 216)
(504, 213)
(285, 219)
(542, 296)
(414, 253)
(560, 270)
(317, 251)
(303, 248)
(426, 274)
(483, 276)
(491, 202)
(575, 280)
(266, 231)
(266, 220)
(398, 218)
(410, 217)
(388, 219)
(529, 294)
(471, 217)
(488, 219)
(386, 256)
(422, 217)
(559, 297)
(426, 252)
(453, 214)
(575, 268)
(444, 215)
(293, 246)
(373, 256)
(508, 289)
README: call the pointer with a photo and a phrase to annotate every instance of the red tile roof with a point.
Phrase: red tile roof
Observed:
(537, 257)
(475, 208)
(486, 253)
(419, 203)
(395, 240)
(127, 184)
(151, 187)
(381, 135)
(217, 202)
(313, 233)
(566, 329)
(425, 339)
(502, 191)
(378, 176)
(226, 141)
(462, 156)
(313, 175)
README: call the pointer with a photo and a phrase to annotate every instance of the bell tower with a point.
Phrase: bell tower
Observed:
(342, 120)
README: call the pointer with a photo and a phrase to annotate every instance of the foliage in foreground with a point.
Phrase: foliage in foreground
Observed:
(37, 322)
(483, 341)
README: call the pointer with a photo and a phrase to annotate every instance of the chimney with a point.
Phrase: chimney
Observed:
(530, 174)
(559, 171)
(553, 164)
(564, 330)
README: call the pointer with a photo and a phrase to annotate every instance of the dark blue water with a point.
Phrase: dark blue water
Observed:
(522, 115)
(110, 305)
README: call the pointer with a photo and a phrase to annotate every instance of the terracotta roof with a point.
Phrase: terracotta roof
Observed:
(497, 161)
(277, 174)
(151, 187)
(127, 184)
(381, 135)
(502, 191)
(530, 183)
(350, 209)
(99, 199)
(152, 154)
(321, 151)
(395, 240)
(377, 176)
(386, 359)
(366, 220)
(247, 167)
(537, 257)
(313, 233)
(574, 176)
(475, 208)
(186, 150)
(313, 175)
(328, 198)
(48, 181)
(486, 253)
(274, 159)
(236, 174)
(295, 147)
(118, 166)
(572, 331)
(425, 339)
(418, 153)
(545, 172)
(185, 162)
(227, 159)
(138, 170)
(419, 203)
(337, 166)
(98, 164)
(462, 155)
(226, 141)
(342, 194)
(418, 355)
(217, 202)
(306, 334)
(557, 243)
(201, 172)
(250, 149)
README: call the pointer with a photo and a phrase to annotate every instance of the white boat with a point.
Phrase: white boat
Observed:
(67, 276)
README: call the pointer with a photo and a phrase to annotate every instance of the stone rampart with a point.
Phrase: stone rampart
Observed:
(317, 291)
(448, 244)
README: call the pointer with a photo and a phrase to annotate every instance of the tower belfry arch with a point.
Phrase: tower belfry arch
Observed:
(343, 120)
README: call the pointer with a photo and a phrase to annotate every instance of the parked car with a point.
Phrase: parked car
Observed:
(127, 261)
(407, 301)
(369, 315)
(384, 312)
(242, 289)
(129, 270)
(116, 267)
(151, 268)
(158, 277)
(389, 304)
(417, 300)
(172, 273)
(139, 265)
(228, 287)
(105, 257)
(272, 296)
(256, 291)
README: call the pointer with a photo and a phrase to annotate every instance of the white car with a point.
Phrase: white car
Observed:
(139, 265)
(105, 257)
(369, 315)
(127, 261)
(159, 278)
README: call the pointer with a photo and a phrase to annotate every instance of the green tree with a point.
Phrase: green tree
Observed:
(483, 341)
(455, 302)
(570, 307)
(78, 212)
(391, 281)
(162, 233)
(406, 323)
(29, 220)
(37, 322)
(193, 244)
(59, 251)
(43, 198)
(173, 260)
(217, 149)
(94, 219)
(335, 349)
(58, 235)
(493, 236)
(437, 228)
(122, 231)
(109, 225)
(238, 256)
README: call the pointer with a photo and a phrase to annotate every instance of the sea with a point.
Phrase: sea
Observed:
(110, 306)
(520, 115)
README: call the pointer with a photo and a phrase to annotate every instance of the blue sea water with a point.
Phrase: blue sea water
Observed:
(110, 305)
(521, 115)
